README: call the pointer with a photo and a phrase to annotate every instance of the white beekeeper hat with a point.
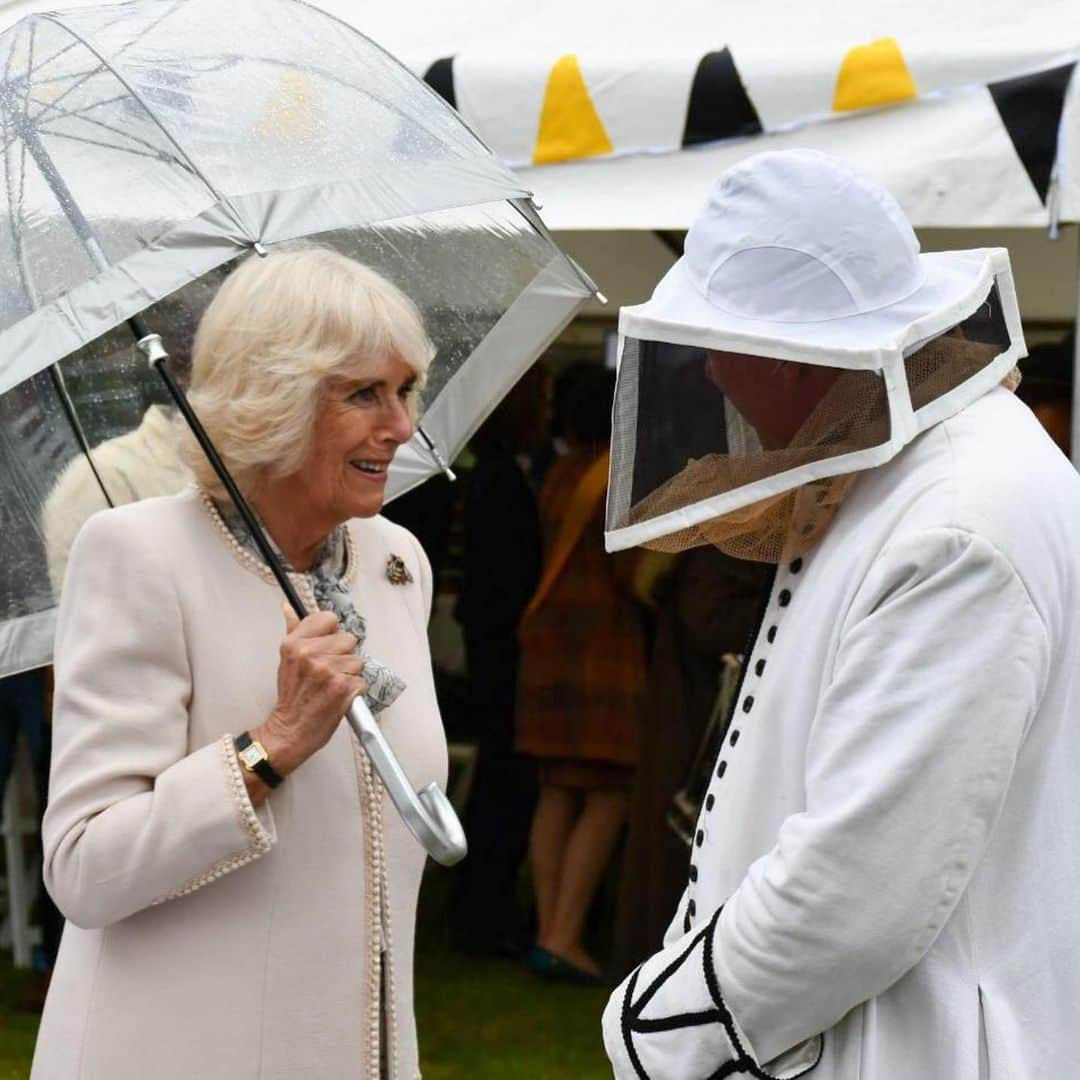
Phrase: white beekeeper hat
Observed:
(795, 259)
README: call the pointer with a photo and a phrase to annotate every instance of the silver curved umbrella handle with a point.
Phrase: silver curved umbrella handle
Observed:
(428, 813)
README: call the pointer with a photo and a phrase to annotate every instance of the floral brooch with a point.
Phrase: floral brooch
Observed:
(397, 572)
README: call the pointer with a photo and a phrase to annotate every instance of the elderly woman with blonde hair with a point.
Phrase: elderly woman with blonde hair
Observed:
(249, 916)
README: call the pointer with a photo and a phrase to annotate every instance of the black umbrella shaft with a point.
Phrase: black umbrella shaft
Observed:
(238, 500)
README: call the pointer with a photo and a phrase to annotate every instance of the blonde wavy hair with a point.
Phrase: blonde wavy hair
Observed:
(279, 328)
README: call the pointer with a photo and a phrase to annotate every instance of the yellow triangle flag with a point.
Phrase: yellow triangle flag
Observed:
(874, 74)
(569, 124)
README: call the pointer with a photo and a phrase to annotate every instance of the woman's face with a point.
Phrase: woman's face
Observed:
(359, 425)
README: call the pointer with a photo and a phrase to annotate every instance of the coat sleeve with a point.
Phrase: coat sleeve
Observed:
(136, 815)
(941, 664)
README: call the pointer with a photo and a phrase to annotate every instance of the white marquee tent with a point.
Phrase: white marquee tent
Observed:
(620, 114)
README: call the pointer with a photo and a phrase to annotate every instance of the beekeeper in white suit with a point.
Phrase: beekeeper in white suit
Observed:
(885, 875)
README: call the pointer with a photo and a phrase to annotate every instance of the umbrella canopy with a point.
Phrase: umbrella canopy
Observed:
(143, 154)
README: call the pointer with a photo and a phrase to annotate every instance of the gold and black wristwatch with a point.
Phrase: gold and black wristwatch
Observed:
(254, 758)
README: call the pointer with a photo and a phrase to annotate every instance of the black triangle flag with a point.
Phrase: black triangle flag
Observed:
(440, 77)
(1030, 108)
(719, 106)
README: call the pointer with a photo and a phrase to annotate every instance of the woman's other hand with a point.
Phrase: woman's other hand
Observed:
(319, 674)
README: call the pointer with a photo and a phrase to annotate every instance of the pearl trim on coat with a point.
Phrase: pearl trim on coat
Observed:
(256, 565)
(260, 839)
(370, 792)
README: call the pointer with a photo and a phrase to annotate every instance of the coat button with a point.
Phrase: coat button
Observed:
(784, 598)
(748, 704)
(734, 737)
(700, 838)
(796, 566)
(759, 667)
(771, 635)
(691, 909)
(693, 872)
(710, 802)
(720, 770)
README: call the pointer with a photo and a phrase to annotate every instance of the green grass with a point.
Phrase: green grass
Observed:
(477, 1018)
(17, 1029)
(487, 1018)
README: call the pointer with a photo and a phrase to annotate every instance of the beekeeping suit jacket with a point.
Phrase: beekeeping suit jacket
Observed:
(885, 875)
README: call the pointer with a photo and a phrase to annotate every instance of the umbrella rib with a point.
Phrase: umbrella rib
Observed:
(149, 29)
(146, 144)
(15, 208)
(29, 69)
(80, 79)
(155, 156)
(183, 155)
(73, 44)
(72, 414)
(10, 57)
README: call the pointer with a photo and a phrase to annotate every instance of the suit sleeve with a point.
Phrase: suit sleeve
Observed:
(136, 816)
(940, 668)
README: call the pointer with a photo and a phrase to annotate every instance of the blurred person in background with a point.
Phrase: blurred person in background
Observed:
(1047, 388)
(24, 716)
(582, 687)
(502, 553)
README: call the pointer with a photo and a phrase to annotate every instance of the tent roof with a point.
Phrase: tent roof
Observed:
(620, 114)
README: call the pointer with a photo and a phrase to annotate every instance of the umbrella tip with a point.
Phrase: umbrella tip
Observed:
(260, 250)
(434, 451)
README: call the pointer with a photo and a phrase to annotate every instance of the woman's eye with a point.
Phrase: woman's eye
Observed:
(365, 394)
(407, 392)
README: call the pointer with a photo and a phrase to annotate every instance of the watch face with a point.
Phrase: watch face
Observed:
(252, 755)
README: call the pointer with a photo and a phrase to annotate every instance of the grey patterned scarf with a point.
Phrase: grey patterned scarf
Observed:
(331, 594)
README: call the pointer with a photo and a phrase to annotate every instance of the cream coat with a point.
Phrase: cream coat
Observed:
(885, 876)
(208, 939)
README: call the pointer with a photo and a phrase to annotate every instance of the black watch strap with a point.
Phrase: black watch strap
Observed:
(262, 768)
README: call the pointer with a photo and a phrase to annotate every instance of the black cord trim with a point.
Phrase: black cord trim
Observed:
(731, 1068)
(673, 1023)
(640, 1005)
(718, 999)
(633, 1024)
(628, 1038)
(707, 961)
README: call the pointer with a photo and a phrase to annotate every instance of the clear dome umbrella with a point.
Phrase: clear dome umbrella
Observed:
(148, 145)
